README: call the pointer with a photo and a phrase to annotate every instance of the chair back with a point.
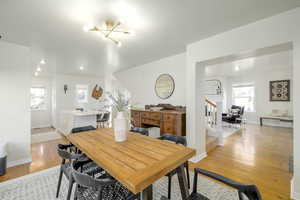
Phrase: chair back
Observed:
(142, 131)
(106, 116)
(66, 155)
(242, 110)
(82, 129)
(86, 180)
(173, 138)
(244, 190)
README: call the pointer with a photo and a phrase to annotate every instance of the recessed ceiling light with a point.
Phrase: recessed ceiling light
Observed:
(36, 73)
(39, 69)
(43, 62)
(81, 68)
(237, 68)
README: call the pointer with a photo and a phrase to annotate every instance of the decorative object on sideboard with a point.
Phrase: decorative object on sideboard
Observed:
(166, 107)
(65, 88)
(164, 86)
(97, 93)
(280, 90)
(120, 104)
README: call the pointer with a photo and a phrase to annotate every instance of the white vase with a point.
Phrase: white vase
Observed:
(121, 127)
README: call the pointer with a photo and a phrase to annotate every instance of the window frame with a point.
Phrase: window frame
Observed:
(253, 97)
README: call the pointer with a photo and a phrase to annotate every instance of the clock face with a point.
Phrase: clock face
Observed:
(164, 86)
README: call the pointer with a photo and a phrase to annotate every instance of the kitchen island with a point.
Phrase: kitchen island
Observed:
(74, 119)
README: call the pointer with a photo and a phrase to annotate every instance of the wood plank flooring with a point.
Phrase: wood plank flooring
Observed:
(259, 155)
(44, 156)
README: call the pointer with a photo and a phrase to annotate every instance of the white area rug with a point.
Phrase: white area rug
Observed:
(42, 186)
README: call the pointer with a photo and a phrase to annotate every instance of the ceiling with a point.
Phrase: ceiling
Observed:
(162, 27)
(279, 61)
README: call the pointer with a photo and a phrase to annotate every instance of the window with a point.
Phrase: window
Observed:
(243, 95)
(38, 98)
(82, 93)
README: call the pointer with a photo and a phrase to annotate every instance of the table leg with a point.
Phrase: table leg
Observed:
(182, 182)
(147, 194)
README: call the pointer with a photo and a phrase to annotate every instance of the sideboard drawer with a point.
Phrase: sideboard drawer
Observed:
(136, 122)
(135, 114)
(145, 115)
(155, 116)
(169, 117)
(151, 122)
(169, 127)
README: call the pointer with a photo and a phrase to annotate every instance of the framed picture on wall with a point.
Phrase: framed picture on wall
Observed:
(280, 90)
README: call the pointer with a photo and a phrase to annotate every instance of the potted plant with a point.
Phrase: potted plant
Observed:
(120, 105)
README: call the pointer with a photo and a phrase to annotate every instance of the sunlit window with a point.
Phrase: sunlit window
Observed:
(82, 93)
(38, 98)
(243, 95)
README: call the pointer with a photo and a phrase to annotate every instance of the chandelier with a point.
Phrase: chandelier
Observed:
(108, 30)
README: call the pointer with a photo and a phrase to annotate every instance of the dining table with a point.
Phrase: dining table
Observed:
(136, 163)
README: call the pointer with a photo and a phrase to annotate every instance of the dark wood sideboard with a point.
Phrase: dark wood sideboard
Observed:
(169, 121)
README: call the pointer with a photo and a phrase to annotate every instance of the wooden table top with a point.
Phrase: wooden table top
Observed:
(137, 162)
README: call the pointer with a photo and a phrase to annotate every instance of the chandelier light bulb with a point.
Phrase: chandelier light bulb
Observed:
(81, 68)
(39, 69)
(132, 33)
(122, 21)
(119, 44)
(88, 27)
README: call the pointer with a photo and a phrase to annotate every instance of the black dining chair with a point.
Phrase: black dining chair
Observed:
(103, 187)
(82, 129)
(177, 140)
(86, 165)
(103, 119)
(143, 131)
(245, 192)
(78, 130)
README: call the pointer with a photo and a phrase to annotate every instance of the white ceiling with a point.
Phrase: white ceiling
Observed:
(163, 27)
(254, 65)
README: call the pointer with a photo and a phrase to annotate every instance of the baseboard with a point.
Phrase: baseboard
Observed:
(294, 195)
(42, 126)
(198, 157)
(19, 162)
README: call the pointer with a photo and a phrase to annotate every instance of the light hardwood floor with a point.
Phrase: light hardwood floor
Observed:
(259, 155)
(44, 156)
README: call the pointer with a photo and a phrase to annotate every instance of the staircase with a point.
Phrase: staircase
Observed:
(211, 125)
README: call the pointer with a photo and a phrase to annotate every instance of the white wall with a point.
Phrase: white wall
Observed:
(62, 101)
(272, 31)
(140, 80)
(42, 118)
(15, 81)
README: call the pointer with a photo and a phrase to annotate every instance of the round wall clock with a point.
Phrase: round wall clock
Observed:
(164, 86)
